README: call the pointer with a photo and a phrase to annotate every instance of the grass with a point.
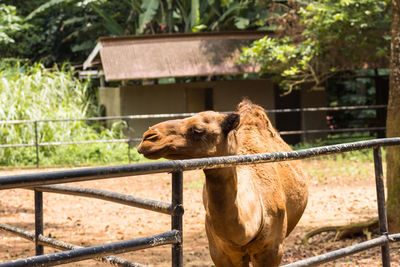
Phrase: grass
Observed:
(353, 165)
(195, 184)
(36, 93)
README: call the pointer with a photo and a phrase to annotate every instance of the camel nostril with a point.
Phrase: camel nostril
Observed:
(150, 136)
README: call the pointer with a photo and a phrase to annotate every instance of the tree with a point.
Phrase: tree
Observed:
(10, 23)
(331, 36)
(67, 30)
(393, 125)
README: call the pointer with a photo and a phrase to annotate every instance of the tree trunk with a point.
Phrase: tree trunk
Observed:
(393, 125)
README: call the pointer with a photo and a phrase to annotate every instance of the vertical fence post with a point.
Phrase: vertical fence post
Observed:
(303, 126)
(37, 144)
(380, 193)
(129, 151)
(130, 140)
(38, 221)
(177, 203)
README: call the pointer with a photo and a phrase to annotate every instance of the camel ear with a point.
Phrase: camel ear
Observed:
(230, 122)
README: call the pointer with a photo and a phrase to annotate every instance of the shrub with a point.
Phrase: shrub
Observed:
(36, 93)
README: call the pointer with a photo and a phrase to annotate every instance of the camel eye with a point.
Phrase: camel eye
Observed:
(196, 132)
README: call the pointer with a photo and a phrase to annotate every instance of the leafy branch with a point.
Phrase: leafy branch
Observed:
(332, 36)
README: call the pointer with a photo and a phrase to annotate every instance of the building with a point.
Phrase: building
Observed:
(147, 75)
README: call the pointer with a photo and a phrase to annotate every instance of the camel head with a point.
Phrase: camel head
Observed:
(207, 134)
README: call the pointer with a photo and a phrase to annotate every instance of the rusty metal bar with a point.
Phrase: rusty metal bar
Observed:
(176, 218)
(129, 200)
(57, 244)
(31, 180)
(394, 237)
(38, 221)
(171, 237)
(340, 253)
(333, 255)
(380, 193)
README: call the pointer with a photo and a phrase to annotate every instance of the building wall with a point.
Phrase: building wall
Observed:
(229, 94)
(110, 99)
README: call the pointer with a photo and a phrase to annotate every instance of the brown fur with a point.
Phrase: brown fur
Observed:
(249, 209)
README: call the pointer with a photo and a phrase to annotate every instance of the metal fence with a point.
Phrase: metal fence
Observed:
(129, 141)
(40, 183)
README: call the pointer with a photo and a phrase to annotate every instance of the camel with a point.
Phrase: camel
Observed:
(250, 209)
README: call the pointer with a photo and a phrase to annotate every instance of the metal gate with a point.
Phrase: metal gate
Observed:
(40, 183)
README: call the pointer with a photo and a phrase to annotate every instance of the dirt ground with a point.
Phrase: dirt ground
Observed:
(338, 195)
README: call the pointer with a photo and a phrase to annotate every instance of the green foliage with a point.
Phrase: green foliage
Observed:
(33, 93)
(334, 35)
(10, 23)
(67, 30)
(55, 31)
(342, 91)
(149, 11)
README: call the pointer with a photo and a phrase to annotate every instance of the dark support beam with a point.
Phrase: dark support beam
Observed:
(177, 222)
(209, 99)
(38, 222)
(380, 194)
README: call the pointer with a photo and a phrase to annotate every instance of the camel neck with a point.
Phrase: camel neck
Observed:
(222, 176)
(221, 187)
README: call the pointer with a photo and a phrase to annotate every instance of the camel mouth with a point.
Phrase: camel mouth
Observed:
(174, 156)
(151, 155)
(159, 153)
(152, 152)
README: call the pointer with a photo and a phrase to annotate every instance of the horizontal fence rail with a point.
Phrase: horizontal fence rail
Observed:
(177, 115)
(128, 200)
(343, 252)
(85, 253)
(176, 167)
(57, 244)
(85, 174)
(333, 130)
(130, 140)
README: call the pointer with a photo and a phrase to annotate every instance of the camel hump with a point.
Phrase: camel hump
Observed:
(252, 112)
(254, 117)
(247, 105)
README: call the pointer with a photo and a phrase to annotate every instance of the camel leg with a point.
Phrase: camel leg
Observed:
(222, 259)
(268, 258)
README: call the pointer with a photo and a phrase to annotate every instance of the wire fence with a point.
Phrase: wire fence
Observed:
(132, 140)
